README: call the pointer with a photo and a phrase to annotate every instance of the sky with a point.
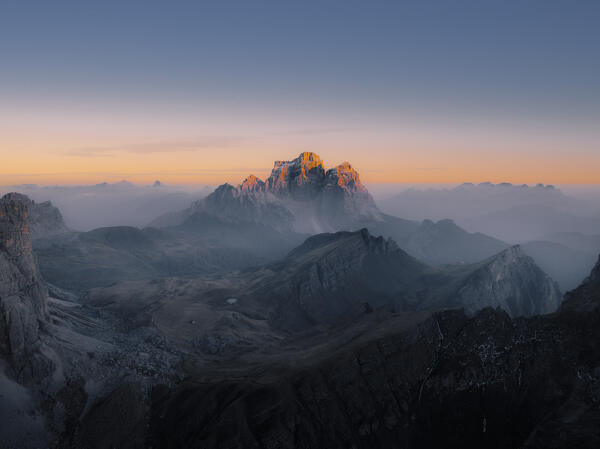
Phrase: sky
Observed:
(207, 92)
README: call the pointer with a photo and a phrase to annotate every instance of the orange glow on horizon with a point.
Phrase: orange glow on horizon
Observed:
(198, 168)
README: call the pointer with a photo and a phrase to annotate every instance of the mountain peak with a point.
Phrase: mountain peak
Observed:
(252, 184)
(344, 239)
(511, 280)
(298, 177)
(345, 177)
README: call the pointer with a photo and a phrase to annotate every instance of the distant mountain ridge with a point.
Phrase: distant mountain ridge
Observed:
(330, 274)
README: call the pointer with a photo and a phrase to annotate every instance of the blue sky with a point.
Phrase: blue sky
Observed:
(320, 65)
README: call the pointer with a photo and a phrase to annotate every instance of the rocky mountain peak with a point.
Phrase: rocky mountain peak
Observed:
(299, 177)
(346, 177)
(511, 280)
(252, 184)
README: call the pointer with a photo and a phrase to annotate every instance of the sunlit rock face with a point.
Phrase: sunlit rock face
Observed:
(301, 178)
(252, 184)
(23, 297)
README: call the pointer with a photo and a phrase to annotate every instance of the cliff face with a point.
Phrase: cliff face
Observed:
(301, 178)
(512, 281)
(23, 297)
(44, 219)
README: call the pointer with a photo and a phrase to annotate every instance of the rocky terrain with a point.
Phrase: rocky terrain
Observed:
(329, 279)
(56, 354)
(229, 328)
(383, 378)
(347, 340)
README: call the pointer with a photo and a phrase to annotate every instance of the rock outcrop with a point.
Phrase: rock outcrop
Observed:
(23, 296)
(45, 220)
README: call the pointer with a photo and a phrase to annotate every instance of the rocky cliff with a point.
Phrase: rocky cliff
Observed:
(23, 296)
(44, 219)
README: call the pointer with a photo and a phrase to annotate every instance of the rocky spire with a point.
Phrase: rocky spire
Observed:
(23, 297)
(346, 177)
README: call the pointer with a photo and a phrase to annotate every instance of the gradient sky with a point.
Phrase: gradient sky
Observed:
(207, 92)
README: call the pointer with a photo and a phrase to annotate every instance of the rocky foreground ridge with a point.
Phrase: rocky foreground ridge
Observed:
(385, 379)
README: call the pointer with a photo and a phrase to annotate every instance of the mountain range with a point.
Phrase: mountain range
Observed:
(232, 324)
